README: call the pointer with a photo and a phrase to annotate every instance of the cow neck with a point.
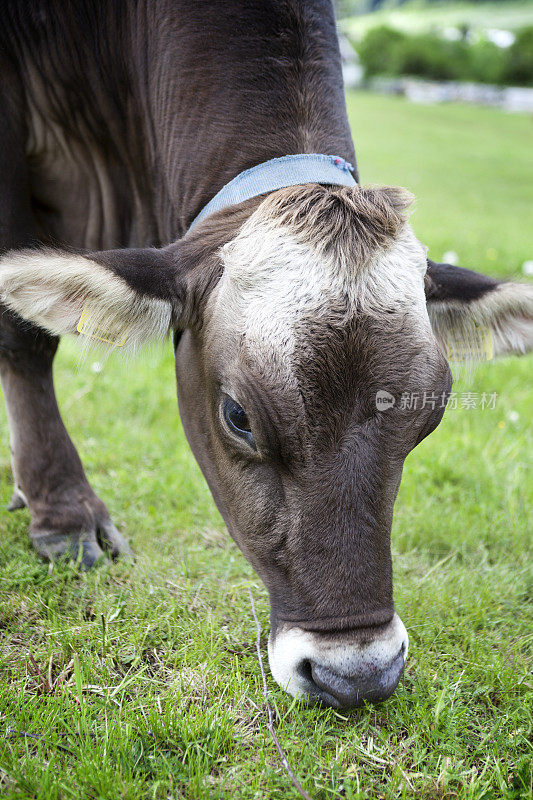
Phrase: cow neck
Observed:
(235, 87)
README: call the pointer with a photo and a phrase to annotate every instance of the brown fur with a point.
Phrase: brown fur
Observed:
(358, 220)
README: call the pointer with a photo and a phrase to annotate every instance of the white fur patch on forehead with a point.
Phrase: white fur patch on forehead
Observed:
(349, 234)
(274, 276)
(268, 252)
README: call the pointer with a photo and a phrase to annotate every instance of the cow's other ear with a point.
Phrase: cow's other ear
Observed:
(475, 317)
(114, 296)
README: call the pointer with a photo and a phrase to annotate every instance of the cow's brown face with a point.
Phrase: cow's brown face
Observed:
(277, 390)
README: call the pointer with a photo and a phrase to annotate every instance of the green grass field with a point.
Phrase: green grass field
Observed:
(141, 681)
(416, 17)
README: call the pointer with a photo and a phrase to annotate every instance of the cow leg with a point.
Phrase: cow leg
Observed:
(66, 515)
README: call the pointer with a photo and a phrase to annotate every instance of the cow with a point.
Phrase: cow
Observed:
(291, 306)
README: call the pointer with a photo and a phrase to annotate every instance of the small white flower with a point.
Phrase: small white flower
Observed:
(527, 267)
(450, 257)
(97, 366)
(513, 416)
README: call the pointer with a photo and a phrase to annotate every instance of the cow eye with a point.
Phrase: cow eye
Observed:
(236, 419)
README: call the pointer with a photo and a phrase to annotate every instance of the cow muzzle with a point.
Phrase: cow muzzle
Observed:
(340, 672)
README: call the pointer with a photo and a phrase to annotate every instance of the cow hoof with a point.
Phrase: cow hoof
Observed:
(112, 542)
(51, 545)
(17, 501)
(88, 547)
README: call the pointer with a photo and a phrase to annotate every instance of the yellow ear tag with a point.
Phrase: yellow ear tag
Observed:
(479, 347)
(108, 337)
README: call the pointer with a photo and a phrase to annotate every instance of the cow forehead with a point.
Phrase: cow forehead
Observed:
(276, 287)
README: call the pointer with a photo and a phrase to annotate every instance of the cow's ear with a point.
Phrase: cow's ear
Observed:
(114, 296)
(475, 317)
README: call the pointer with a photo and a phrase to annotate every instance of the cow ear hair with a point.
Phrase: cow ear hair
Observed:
(475, 317)
(117, 297)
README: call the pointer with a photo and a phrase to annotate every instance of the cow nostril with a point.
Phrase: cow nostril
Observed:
(334, 690)
(305, 670)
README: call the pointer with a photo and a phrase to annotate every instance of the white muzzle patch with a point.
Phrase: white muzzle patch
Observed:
(293, 648)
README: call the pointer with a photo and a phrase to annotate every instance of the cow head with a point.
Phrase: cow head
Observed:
(291, 315)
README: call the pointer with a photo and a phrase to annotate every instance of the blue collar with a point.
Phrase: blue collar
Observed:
(277, 174)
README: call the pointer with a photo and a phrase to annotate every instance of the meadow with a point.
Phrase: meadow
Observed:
(418, 17)
(142, 680)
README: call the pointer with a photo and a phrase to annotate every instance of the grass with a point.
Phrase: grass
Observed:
(141, 681)
(416, 17)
